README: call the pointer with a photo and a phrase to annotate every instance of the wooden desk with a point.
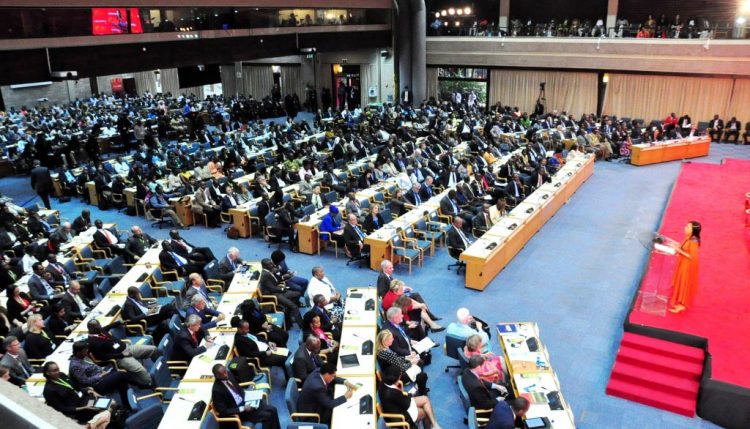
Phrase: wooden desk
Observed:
(673, 150)
(531, 373)
(355, 314)
(182, 404)
(182, 209)
(241, 221)
(93, 196)
(486, 257)
(347, 415)
(201, 365)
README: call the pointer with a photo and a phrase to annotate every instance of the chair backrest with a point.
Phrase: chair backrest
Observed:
(472, 417)
(451, 344)
(212, 270)
(175, 325)
(271, 219)
(53, 219)
(463, 394)
(421, 224)
(308, 209)
(409, 232)
(157, 275)
(288, 364)
(146, 291)
(209, 422)
(159, 372)
(387, 216)
(104, 287)
(166, 347)
(86, 252)
(117, 266)
(290, 395)
(332, 197)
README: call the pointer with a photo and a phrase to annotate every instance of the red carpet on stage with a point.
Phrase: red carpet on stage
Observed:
(714, 195)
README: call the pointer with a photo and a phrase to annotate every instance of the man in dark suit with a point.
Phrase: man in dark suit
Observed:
(187, 344)
(715, 128)
(229, 265)
(82, 222)
(426, 191)
(287, 298)
(41, 182)
(136, 310)
(139, 242)
(171, 261)
(732, 129)
(354, 237)
(39, 288)
(402, 343)
(229, 399)
(250, 346)
(457, 239)
(62, 235)
(60, 274)
(483, 221)
(482, 394)
(314, 396)
(189, 251)
(385, 277)
(306, 358)
(328, 322)
(75, 304)
(414, 196)
(505, 415)
(16, 361)
(106, 239)
(104, 346)
(449, 206)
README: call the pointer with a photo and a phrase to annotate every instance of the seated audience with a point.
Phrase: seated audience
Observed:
(395, 401)
(228, 399)
(483, 395)
(387, 358)
(315, 396)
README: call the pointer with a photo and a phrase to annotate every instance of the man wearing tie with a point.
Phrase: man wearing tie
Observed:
(306, 359)
(317, 200)
(229, 399)
(105, 239)
(413, 196)
(456, 237)
(426, 190)
(16, 361)
(171, 261)
(715, 128)
(39, 287)
(354, 237)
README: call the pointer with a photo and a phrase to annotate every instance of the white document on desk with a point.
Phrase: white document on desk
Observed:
(423, 345)
(413, 372)
(253, 397)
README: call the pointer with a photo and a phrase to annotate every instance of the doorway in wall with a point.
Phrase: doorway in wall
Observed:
(346, 86)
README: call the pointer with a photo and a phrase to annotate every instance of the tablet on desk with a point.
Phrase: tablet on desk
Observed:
(348, 361)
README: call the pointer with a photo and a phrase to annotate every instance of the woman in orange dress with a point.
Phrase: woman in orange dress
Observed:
(685, 279)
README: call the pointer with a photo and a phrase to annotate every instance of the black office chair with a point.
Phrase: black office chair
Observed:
(355, 255)
(451, 348)
(160, 219)
(455, 253)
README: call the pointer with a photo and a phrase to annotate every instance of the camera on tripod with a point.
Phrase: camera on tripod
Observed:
(542, 85)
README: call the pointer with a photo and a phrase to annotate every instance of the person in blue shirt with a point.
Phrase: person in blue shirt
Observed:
(331, 223)
(159, 201)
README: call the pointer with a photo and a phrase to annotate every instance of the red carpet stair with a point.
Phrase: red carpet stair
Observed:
(657, 373)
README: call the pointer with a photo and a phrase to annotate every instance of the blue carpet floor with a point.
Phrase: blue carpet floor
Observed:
(575, 278)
